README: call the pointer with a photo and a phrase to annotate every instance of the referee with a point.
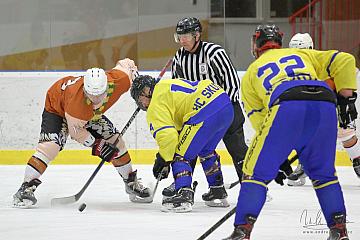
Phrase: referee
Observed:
(197, 60)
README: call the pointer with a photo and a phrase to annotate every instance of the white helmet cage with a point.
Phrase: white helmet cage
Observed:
(95, 81)
(302, 41)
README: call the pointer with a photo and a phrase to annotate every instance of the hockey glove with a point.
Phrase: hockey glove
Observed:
(284, 171)
(105, 150)
(346, 109)
(161, 167)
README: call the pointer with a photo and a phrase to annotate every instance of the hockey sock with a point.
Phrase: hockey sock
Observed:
(182, 173)
(354, 150)
(36, 166)
(212, 168)
(331, 199)
(125, 170)
(251, 200)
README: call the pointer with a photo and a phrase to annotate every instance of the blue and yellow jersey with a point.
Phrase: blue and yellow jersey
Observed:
(174, 103)
(280, 69)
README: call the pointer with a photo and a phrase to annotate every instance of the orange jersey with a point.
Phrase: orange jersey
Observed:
(67, 95)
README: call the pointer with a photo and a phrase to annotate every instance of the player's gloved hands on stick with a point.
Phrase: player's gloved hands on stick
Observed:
(284, 171)
(105, 150)
(161, 167)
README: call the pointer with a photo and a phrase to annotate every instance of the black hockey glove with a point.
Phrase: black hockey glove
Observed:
(161, 167)
(284, 171)
(346, 109)
(105, 150)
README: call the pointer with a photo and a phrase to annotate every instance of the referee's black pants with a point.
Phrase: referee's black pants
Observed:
(234, 139)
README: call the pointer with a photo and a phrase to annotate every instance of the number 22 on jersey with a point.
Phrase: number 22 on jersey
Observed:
(273, 72)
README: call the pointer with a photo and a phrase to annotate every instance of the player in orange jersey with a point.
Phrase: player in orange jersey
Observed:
(75, 106)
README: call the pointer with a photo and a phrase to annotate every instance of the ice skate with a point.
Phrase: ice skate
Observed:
(356, 166)
(338, 231)
(298, 177)
(242, 232)
(137, 192)
(182, 201)
(216, 197)
(169, 191)
(25, 197)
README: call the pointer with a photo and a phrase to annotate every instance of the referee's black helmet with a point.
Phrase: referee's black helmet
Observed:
(188, 25)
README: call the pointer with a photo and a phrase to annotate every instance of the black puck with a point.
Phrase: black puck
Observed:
(82, 207)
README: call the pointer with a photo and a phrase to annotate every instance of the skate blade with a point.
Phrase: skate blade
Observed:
(184, 207)
(217, 203)
(26, 203)
(136, 199)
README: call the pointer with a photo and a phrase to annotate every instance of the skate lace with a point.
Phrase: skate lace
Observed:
(26, 192)
(137, 185)
(171, 187)
(30, 190)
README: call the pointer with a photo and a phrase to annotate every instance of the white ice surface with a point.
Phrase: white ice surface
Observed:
(109, 214)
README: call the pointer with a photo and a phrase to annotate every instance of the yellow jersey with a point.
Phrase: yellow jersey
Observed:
(176, 102)
(277, 70)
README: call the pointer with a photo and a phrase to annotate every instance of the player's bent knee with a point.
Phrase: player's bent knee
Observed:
(253, 180)
(47, 151)
(318, 184)
(209, 156)
(345, 135)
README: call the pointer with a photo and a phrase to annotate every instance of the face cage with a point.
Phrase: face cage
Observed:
(187, 36)
(139, 103)
(88, 95)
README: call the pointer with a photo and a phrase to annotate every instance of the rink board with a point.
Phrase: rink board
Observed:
(139, 156)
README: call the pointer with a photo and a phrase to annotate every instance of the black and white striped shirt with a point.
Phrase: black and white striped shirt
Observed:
(209, 61)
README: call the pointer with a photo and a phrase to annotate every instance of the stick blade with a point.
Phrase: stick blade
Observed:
(63, 200)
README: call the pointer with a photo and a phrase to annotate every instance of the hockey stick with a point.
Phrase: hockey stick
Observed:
(217, 224)
(76, 197)
(232, 211)
(156, 186)
(233, 184)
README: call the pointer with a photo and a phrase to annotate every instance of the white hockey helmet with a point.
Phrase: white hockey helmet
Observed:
(95, 81)
(302, 41)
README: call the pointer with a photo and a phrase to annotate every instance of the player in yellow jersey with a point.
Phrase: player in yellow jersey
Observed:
(346, 131)
(291, 108)
(187, 119)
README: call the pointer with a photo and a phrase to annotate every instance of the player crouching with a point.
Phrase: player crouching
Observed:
(188, 120)
(75, 106)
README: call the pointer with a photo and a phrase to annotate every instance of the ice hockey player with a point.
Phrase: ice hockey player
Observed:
(187, 119)
(346, 132)
(75, 106)
(291, 108)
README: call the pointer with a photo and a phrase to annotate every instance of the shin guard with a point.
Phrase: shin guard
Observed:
(212, 168)
(182, 172)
